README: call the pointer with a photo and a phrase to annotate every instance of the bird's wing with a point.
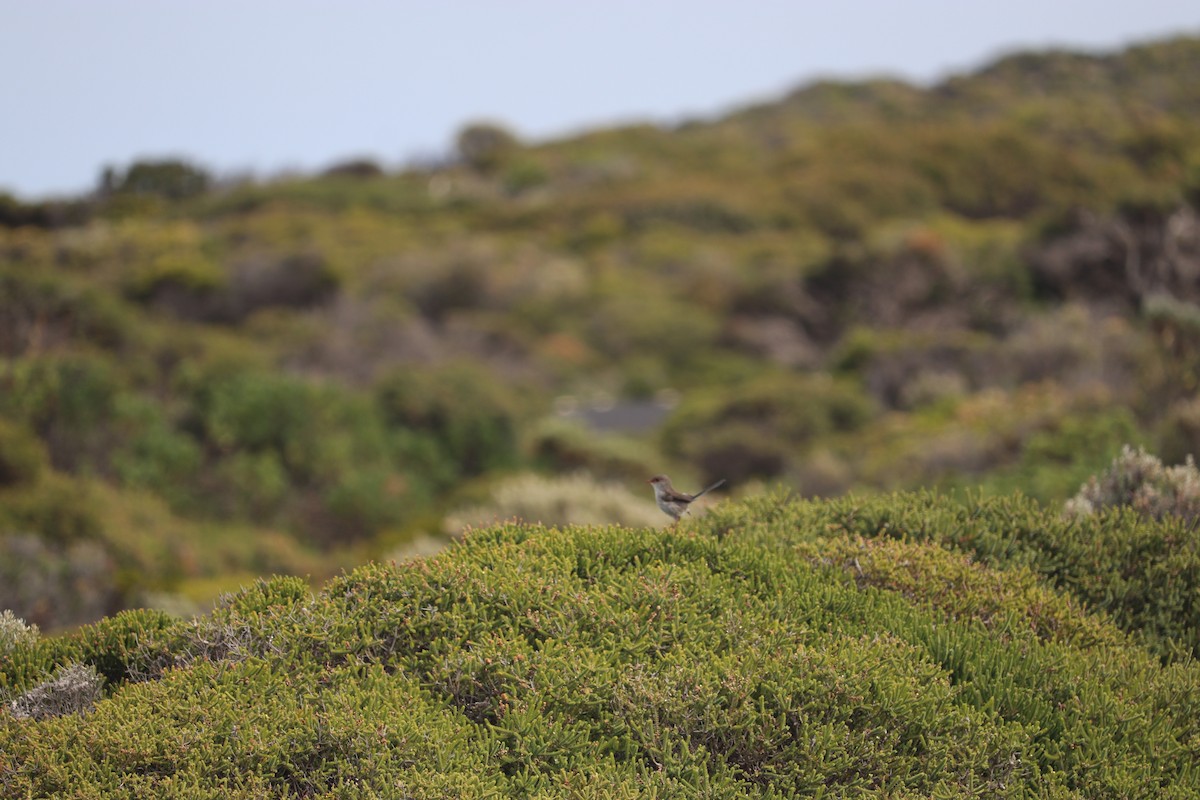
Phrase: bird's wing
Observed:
(677, 497)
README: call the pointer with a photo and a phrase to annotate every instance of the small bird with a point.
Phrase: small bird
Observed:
(674, 503)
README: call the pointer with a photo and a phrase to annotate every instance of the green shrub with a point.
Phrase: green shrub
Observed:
(40, 308)
(758, 430)
(311, 455)
(16, 213)
(997, 171)
(366, 500)
(173, 179)
(964, 589)
(653, 322)
(1179, 434)
(181, 273)
(763, 650)
(155, 454)
(258, 412)
(468, 416)
(1142, 573)
(191, 285)
(255, 411)
(279, 591)
(254, 485)
(117, 648)
(523, 175)
(115, 645)
(484, 146)
(22, 455)
(373, 732)
(1054, 461)
(59, 509)
(355, 168)
(68, 401)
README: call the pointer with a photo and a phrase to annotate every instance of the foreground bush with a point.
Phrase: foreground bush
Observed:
(1144, 574)
(766, 649)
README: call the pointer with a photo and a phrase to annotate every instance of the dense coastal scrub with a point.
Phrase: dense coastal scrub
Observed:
(862, 286)
(931, 336)
(895, 646)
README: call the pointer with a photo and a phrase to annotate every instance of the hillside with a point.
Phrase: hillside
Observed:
(907, 645)
(993, 282)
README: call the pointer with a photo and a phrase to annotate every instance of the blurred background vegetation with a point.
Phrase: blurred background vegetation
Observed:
(994, 281)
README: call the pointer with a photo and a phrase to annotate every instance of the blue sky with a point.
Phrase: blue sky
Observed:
(264, 86)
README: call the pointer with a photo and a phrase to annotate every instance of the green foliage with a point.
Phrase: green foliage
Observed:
(757, 431)
(356, 168)
(964, 589)
(1143, 574)
(263, 595)
(1056, 460)
(372, 731)
(118, 648)
(652, 321)
(767, 649)
(463, 411)
(521, 176)
(156, 455)
(38, 308)
(172, 179)
(188, 273)
(16, 213)
(999, 172)
(258, 412)
(291, 447)
(22, 456)
(484, 145)
(1041, 440)
(66, 400)
(59, 509)
(114, 645)
(1179, 435)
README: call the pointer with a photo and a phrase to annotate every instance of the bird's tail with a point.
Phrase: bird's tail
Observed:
(703, 492)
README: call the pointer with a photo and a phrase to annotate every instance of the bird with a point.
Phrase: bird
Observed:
(672, 502)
